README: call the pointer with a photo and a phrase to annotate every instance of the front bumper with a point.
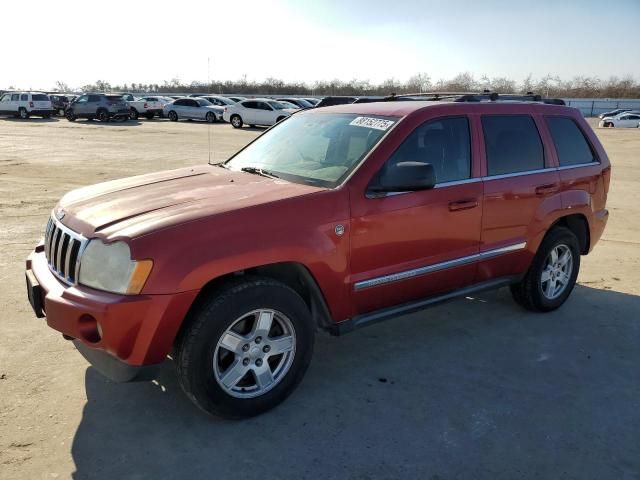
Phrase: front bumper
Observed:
(133, 329)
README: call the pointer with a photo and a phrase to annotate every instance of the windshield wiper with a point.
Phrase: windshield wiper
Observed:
(219, 164)
(259, 171)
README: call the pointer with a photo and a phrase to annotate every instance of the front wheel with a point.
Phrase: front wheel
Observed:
(173, 116)
(553, 273)
(236, 121)
(210, 117)
(149, 116)
(70, 115)
(246, 349)
(103, 116)
(134, 114)
(23, 113)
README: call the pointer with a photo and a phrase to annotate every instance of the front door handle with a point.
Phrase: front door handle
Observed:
(463, 205)
(547, 189)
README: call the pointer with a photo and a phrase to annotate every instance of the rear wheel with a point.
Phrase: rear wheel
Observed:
(608, 124)
(46, 115)
(149, 115)
(70, 115)
(246, 349)
(173, 116)
(553, 273)
(210, 117)
(103, 115)
(134, 114)
(236, 121)
(22, 112)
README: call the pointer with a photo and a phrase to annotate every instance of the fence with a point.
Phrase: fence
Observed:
(592, 107)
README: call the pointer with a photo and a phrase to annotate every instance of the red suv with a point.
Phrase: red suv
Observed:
(335, 218)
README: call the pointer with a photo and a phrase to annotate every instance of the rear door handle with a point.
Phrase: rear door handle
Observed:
(463, 205)
(547, 189)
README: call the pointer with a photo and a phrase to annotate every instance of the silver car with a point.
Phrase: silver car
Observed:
(192, 109)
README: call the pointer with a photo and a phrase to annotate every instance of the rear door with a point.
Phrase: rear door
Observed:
(5, 104)
(248, 111)
(265, 114)
(521, 185)
(41, 101)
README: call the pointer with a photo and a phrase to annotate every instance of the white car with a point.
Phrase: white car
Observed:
(622, 120)
(256, 111)
(147, 106)
(25, 104)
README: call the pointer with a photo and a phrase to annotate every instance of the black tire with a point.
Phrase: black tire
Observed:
(69, 115)
(236, 121)
(22, 113)
(149, 115)
(46, 115)
(103, 115)
(197, 342)
(173, 116)
(608, 124)
(529, 292)
(210, 117)
(279, 119)
(134, 114)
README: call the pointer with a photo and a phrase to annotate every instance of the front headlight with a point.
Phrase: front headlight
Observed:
(108, 266)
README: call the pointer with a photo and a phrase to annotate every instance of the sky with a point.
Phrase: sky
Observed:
(81, 41)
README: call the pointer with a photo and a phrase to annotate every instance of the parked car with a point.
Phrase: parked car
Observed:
(298, 102)
(237, 99)
(26, 104)
(59, 103)
(331, 101)
(328, 220)
(622, 120)
(289, 105)
(257, 111)
(103, 107)
(149, 107)
(313, 101)
(613, 113)
(192, 109)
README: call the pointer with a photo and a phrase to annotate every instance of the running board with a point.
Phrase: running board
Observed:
(377, 316)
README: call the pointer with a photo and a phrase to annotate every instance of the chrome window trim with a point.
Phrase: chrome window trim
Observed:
(519, 174)
(578, 165)
(395, 277)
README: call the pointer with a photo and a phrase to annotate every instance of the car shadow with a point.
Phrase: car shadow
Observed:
(110, 123)
(32, 119)
(475, 388)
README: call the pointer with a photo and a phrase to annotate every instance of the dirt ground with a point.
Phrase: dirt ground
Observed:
(476, 388)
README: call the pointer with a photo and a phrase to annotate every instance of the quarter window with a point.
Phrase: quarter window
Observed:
(571, 145)
(443, 143)
(512, 144)
(24, 97)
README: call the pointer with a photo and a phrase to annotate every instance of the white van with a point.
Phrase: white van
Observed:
(25, 104)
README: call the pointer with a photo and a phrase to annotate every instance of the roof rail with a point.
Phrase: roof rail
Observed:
(483, 96)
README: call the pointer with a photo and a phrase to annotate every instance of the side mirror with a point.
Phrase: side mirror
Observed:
(405, 177)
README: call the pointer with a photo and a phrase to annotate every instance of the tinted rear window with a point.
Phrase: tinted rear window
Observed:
(512, 144)
(571, 146)
(114, 98)
(39, 98)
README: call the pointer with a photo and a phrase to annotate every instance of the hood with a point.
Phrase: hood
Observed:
(135, 206)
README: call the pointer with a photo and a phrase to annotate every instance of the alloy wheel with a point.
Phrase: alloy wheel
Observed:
(557, 271)
(255, 353)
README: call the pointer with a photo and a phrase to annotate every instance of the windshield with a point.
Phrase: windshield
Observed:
(316, 149)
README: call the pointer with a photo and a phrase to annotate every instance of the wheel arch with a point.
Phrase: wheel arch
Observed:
(579, 225)
(293, 274)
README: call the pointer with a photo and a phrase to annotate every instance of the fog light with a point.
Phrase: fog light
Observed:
(89, 329)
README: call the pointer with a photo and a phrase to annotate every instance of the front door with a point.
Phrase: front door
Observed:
(411, 245)
(80, 106)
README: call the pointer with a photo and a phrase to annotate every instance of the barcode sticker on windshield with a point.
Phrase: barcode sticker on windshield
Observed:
(370, 122)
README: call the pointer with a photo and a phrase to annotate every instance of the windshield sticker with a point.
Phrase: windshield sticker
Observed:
(370, 122)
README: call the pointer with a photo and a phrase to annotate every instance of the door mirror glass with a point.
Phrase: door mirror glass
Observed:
(405, 177)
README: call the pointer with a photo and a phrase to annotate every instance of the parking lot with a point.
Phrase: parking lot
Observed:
(475, 388)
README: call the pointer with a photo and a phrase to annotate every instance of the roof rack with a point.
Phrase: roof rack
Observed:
(485, 96)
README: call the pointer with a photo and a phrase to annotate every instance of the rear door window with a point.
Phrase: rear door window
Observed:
(15, 97)
(571, 145)
(512, 144)
(24, 97)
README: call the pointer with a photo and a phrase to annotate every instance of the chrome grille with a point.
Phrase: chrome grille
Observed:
(63, 248)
